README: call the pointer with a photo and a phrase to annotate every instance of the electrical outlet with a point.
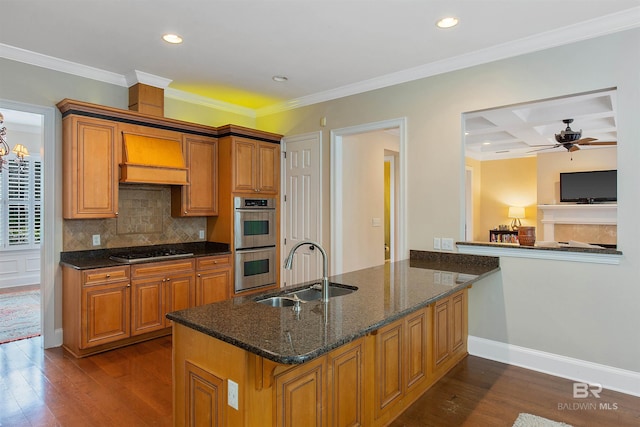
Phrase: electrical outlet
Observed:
(96, 240)
(447, 244)
(436, 243)
(201, 234)
(232, 394)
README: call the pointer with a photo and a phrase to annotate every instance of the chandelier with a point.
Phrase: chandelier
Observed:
(19, 150)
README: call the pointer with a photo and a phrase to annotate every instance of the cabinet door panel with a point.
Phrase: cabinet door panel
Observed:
(441, 332)
(416, 348)
(389, 343)
(345, 386)
(204, 397)
(213, 286)
(245, 163)
(179, 294)
(300, 395)
(105, 314)
(146, 301)
(458, 322)
(269, 168)
(90, 168)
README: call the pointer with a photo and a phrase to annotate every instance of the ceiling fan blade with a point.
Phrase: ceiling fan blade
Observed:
(542, 149)
(600, 143)
(585, 141)
(574, 148)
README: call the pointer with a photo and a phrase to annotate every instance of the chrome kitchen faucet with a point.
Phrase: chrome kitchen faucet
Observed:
(325, 265)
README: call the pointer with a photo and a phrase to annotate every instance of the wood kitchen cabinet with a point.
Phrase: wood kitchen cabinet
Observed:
(345, 383)
(256, 166)
(401, 359)
(449, 332)
(157, 289)
(213, 279)
(91, 154)
(200, 197)
(96, 307)
(301, 395)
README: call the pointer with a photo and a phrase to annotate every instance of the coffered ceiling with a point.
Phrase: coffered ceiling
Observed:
(527, 129)
(326, 48)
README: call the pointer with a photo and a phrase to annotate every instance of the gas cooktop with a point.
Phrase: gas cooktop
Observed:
(155, 255)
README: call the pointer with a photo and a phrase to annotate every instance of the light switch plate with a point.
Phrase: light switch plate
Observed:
(436, 243)
(447, 244)
(201, 234)
(96, 240)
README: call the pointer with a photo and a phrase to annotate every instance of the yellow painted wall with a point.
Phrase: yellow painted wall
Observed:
(505, 183)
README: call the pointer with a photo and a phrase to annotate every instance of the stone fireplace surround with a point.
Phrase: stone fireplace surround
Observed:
(604, 214)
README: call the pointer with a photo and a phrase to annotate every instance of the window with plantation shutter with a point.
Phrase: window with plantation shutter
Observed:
(21, 209)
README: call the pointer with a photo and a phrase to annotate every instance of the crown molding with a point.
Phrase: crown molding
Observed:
(209, 102)
(136, 76)
(57, 64)
(593, 28)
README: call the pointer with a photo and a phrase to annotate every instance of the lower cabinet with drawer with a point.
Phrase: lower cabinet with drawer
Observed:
(213, 279)
(105, 308)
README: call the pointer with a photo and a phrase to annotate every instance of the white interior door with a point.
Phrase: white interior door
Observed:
(301, 207)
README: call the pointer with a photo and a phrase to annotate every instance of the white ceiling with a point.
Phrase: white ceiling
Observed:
(326, 48)
(520, 130)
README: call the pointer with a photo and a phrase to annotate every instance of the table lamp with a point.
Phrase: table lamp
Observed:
(516, 213)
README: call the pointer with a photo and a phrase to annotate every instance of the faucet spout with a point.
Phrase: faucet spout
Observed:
(288, 263)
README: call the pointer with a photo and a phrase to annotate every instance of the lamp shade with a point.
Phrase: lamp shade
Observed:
(516, 212)
(20, 150)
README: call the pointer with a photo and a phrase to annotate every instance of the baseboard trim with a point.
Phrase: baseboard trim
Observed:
(611, 378)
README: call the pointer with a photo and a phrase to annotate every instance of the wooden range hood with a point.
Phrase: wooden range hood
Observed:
(152, 160)
(147, 159)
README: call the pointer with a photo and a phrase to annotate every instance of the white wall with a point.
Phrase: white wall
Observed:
(363, 198)
(585, 311)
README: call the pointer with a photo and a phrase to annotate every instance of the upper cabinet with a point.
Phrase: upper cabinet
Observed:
(256, 166)
(249, 160)
(91, 155)
(200, 197)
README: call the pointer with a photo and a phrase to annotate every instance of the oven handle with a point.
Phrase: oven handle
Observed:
(253, 250)
(255, 210)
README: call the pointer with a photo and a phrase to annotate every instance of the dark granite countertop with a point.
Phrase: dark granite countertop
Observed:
(83, 260)
(385, 293)
(559, 248)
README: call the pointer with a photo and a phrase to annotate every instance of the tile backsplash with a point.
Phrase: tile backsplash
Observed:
(144, 219)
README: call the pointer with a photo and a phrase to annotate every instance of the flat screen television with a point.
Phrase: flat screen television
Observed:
(589, 187)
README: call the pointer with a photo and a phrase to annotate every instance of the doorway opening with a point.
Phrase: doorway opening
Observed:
(358, 194)
(28, 216)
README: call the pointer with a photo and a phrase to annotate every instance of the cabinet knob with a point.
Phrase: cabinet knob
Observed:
(199, 275)
(168, 280)
(185, 212)
(128, 285)
(117, 213)
(108, 275)
(215, 261)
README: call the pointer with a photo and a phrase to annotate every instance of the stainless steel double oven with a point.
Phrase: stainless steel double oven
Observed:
(254, 223)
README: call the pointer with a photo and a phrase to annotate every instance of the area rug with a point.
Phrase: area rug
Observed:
(19, 316)
(528, 420)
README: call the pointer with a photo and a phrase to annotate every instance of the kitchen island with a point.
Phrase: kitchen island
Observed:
(359, 359)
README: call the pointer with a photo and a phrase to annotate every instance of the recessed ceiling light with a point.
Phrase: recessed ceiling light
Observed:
(280, 78)
(172, 38)
(486, 143)
(448, 22)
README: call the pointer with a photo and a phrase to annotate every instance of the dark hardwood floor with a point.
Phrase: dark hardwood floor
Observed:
(131, 387)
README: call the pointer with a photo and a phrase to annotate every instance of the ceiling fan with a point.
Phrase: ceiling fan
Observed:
(571, 140)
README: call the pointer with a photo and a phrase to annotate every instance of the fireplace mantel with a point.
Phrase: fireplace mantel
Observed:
(600, 214)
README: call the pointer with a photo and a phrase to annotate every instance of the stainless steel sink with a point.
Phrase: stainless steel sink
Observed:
(277, 301)
(314, 292)
(310, 293)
